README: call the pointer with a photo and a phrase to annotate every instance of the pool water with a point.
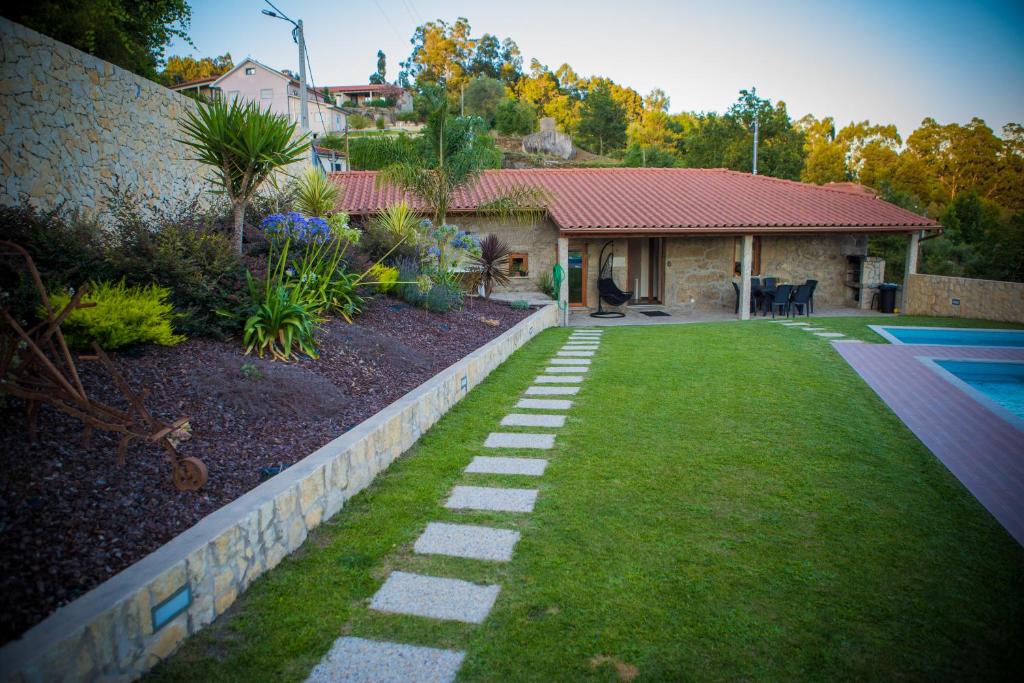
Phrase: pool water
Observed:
(945, 336)
(1002, 383)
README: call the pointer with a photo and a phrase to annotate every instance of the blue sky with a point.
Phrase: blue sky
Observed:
(893, 62)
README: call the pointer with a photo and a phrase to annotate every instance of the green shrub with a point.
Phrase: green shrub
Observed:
(443, 297)
(358, 121)
(280, 325)
(315, 194)
(513, 117)
(381, 123)
(408, 116)
(394, 231)
(520, 305)
(546, 284)
(122, 316)
(372, 153)
(383, 277)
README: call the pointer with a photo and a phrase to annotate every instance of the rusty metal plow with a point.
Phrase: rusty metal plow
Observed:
(37, 367)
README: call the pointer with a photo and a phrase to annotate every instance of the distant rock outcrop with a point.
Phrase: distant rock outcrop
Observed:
(549, 141)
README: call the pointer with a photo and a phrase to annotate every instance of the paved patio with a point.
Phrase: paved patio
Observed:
(580, 317)
(984, 451)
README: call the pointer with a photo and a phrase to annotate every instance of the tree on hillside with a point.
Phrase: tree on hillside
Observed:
(182, 69)
(482, 97)
(445, 53)
(652, 134)
(452, 154)
(513, 117)
(825, 160)
(496, 59)
(132, 35)
(379, 77)
(602, 121)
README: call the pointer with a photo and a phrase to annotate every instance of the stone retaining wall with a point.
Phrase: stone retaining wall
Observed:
(963, 297)
(73, 126)
(108, 633)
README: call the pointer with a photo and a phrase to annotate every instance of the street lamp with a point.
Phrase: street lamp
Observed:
(299, 37)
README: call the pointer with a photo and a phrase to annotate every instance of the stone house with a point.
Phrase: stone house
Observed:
(251, 81)
(677, 237)
(358, 95)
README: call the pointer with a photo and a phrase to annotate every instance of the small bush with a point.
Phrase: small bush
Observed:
(383, 277)
(315, 193)
(520, 305)
(443, 297)
(546, 284)
(381, 123)
(122, 316)
(408, 116)
(358, 121)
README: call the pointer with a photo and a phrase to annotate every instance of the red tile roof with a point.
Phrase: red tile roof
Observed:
(381, 87)
(664, 200)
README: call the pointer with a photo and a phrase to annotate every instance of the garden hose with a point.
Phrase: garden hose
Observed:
(557, 275)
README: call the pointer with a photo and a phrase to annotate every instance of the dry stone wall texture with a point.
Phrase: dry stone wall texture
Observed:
(963, 297)
(74, 127)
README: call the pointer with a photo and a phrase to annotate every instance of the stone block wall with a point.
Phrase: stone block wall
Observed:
(108, 633)
(538, 239)
(963, 297)
(73, 126)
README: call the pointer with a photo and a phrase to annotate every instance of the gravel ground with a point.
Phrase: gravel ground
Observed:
(70, 518)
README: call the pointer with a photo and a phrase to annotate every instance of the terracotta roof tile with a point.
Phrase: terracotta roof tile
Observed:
(681, 200)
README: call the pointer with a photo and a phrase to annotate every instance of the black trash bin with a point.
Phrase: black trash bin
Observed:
(887, 297)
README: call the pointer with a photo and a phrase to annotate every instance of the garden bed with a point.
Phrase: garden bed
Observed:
(70, 518)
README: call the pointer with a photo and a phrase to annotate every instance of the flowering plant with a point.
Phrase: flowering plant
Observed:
(294, 226)
(448, 245)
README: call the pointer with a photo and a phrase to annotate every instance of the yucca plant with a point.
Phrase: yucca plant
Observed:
(493, 263)
(243, 145)
(315, 194)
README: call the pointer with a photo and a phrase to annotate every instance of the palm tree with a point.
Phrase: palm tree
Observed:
(243, 144)
(450, 157)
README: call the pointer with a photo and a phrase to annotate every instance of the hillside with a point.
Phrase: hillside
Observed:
(515, 157)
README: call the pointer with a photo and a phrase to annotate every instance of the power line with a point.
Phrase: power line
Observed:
(387, 19)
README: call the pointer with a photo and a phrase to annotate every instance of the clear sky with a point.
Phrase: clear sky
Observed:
(893, 61)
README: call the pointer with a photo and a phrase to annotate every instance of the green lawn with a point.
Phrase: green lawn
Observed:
(727, 501)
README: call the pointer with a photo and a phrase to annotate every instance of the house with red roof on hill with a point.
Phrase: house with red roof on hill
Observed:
(681, 238)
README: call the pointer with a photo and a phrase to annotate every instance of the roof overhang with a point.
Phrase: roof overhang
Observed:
(780, 230)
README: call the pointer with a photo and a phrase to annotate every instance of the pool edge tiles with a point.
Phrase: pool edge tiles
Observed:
(939, 366)
(958, 337)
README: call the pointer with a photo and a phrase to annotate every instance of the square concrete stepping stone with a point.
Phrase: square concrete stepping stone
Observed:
(529, 467)
(517, 440)
(544, 404)
(467, 540)
(829, 334)
(566, 369)
(815, 329)
(435, 597)
(533, 420)
(558, 379)
(570, 361)
(552, 391)
(584, 336)
(491, 498)
(358, 660)
(575, 354)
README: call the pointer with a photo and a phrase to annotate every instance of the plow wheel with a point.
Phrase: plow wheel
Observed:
(189, 474)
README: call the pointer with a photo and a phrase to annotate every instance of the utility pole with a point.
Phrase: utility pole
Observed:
(755, 143)
(462, 100)
(300, 38)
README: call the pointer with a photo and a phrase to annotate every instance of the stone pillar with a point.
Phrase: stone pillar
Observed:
(872, 274)
(745, 265)
(912, 245)
(563, 290)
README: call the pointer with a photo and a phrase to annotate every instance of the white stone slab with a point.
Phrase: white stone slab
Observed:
(584, 337)
(358, 660)
(529, 467)
(815, 329)
(791, 323)
(552, 391)
(491, 498)
(558, 379)
(566, 369)
(575, 354)
(435, 597)
(580, 345)
(517, 440)
(467, 540)
(544, 404)
(847, 341)
(533, 420)
(831, 335)
(570, 361)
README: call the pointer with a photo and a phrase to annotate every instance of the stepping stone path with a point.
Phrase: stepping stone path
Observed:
(432, 596)
(466, 540)
(533, 420)
(818, 331)
(483, 464)
(359, 660)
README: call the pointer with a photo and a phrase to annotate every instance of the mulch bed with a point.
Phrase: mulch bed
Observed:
(70, 518)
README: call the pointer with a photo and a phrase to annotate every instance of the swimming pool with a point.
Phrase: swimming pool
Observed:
(950, 336)
(998, 382)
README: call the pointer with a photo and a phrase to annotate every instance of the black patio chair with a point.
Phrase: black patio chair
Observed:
(753, 305)
(780, 301)
(814, 285)
(770, 282)
(802, 300)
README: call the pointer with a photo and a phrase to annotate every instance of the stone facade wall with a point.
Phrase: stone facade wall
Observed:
(73, 126)
(537, 239)
(108, 633)
(981, 299)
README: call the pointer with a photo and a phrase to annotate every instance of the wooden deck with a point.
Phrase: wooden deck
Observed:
(983, 450)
